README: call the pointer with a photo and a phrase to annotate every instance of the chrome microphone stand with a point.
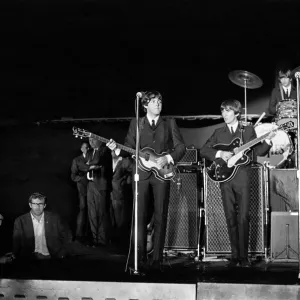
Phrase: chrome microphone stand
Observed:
(297, 75)
(135, 271)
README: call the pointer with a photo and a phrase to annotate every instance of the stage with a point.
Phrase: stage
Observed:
(93, 277)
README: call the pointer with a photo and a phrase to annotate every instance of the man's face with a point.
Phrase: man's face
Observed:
(37, 206)
(229, 117)
(84, 148)
(94, 143)
(285, 81)
(154, 106)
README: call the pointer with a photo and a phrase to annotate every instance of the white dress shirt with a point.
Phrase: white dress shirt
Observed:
(39, 235)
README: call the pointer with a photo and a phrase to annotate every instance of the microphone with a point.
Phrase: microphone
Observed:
(140, 94)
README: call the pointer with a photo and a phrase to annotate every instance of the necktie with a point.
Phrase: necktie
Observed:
(232, 131)
(153, 124)
(287, 92)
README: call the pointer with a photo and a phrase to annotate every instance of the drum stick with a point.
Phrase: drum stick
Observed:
(261, 116)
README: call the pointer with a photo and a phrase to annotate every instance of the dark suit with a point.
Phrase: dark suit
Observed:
(276, 97)
(98, 192)
(237, 190)
(58, 236)
(80, 178)
(165, 137)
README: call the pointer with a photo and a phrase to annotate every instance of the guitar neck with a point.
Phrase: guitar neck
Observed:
(120, 146)
(253, 142)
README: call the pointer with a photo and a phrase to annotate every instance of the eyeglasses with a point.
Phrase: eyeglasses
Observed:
(38, 204)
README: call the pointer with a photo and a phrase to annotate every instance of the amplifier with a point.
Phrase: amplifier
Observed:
(190, 157)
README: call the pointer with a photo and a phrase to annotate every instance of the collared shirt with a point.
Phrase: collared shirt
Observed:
(234, 127)
(39, 235)
(155, 120)
(287, 90)
(115, 162)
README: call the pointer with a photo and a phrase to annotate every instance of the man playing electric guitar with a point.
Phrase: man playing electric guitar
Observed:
(162, 136)
(236, 191)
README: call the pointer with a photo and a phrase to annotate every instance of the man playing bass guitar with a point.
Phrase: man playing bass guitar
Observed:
(163, 136)
(235, 191)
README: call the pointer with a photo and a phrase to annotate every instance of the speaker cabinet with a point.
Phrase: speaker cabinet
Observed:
(217, 239)
(182, 222)
(284, 235)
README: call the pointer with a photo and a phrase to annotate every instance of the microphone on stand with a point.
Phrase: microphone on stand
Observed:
(140, 94)
(297, 75)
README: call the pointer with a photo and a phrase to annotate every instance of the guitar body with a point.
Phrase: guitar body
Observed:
(222, 171)
(147, 162)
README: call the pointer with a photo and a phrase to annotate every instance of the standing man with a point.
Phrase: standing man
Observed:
(163, 136)
(81, 180)
(99, 167)
(121, 198)
(283, 91)
(235, 192)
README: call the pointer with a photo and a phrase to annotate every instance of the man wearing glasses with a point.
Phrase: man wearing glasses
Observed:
(40, 234)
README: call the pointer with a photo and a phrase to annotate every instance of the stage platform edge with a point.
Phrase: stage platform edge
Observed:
(240, 291)
(87, 290)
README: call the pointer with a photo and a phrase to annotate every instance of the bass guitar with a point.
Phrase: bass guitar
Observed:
(147, 160)
(222, 171)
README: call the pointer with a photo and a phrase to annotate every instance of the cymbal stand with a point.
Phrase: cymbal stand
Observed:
(245, 96)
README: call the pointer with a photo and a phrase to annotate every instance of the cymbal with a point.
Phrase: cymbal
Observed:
(241, 77)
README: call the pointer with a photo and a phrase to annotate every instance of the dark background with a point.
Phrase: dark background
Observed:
(88, 59)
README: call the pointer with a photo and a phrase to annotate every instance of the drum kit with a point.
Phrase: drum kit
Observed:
(282, 153)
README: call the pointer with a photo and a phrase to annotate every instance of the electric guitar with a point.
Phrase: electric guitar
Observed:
(222, 171)
(147, 160)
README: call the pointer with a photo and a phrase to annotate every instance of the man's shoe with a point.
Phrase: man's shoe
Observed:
(234, 262)
(245, 263)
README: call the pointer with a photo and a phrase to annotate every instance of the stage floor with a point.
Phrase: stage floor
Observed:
(180, 268)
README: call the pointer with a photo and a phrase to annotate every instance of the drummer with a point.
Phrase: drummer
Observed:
(283, 91)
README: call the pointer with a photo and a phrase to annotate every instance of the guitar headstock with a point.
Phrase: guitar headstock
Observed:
(81, 133)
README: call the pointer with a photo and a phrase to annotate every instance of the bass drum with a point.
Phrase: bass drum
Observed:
(282, 146)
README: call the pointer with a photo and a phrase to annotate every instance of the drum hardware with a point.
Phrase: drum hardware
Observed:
(246, 80)
(282, 146)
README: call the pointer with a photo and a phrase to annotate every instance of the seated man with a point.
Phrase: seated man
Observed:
(40, 234)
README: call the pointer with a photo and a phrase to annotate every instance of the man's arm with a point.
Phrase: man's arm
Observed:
(207, 151)
(74, 171)
(178, 142)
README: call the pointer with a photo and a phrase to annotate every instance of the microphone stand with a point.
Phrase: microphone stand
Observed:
(297, 75)
(136, 181)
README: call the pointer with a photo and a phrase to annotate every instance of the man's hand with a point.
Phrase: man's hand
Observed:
(225, 155)
(112, 145)
(271, 135)
(162, 161)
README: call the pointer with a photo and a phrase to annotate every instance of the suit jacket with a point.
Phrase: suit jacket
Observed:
(102, 158)
(79, 176)
(166, 137)
(58, 236)
(224, 136)
(276, 97)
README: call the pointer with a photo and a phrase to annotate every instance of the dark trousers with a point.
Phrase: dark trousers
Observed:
(81, 222)
(98, 213)
(161, 193)
(236, 201)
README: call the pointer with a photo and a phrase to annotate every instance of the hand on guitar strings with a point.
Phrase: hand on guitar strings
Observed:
(225, 155)
(162, 161)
